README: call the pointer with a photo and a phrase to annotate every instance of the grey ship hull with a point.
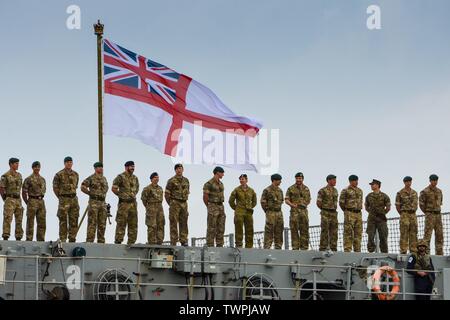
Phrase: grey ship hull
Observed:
(44, 270)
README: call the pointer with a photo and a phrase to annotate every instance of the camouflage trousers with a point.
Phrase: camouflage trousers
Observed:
(433, 221)
(353, 227)
(178, 218)
(299, 224)
(375, 224)
(68, 213)
(243, 219)
(154, 220)
(216, 224)
(36, 209)
(126, 217)
(12, 207)
(328, 230)
(408, 232)
(97, 216)
(273, 230)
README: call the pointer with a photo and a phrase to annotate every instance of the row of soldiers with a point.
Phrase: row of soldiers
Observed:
(242, 200)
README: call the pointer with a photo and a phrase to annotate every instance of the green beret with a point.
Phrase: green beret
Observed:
(98, 165)
(407, 178)
(178, 165)
(154, 174)
(218, 169)
(129, 163)
(275, 177)
(375, 181)
(331, 177)
(434, 177)
(299, 174)
(66, 159)
(35, 164)
(353, 177)
(13, 160)
(243, 176)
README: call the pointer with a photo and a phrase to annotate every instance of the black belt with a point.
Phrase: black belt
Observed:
(353, 210)
(127, 200)
(98, 198)
(15, 196)
(36, 197)
(72, 195)
(182, 200)
(274, 209)
(435, 211)
(215, 202)
(409, 211)
(329, 210)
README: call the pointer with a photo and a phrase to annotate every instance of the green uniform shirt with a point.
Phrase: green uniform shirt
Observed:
(407, 200)
(34, 185)
(65, 182)
(328, 196)
(96, 184)
(178, 188)
(299, 195)
(127, 184)
(243, 198)
(351, 198)
(152, 194)
(214, 189)
(377, 203)
(272, 198)
(430, 199)
(11, 182)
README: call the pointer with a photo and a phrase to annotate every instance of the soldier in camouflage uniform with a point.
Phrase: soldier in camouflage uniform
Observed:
(418, 264)
(298, 198)
(327, 199)
(243, 200)
(176, 194)
(10, 184)
(96, 187)
(430, 202)
(406, 203)
(65, 184)
(271, 202)
(351, 201)
(152, 198)
(33, 191)
(377, 205)
(213, 199)
(126, 187)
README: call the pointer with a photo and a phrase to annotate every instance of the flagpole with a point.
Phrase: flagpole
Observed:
(98, 30)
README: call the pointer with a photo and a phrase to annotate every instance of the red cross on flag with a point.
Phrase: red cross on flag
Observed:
(173, 113)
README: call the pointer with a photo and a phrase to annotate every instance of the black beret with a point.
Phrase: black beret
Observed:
(434, 177)
(178, 165)
(98, 164)
(275, 176)
(407, 178)
(299, 174)
(66, 159)
(375, 181)
(218, 169)
(35, 164)
(13, 160)
(243, 176)
(353, 177)
(331, 177)
(154, 174)
(129, 163)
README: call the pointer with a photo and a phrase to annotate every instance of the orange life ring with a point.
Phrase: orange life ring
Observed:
(376, 285)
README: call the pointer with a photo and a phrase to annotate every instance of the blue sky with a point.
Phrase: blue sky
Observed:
(346, 99)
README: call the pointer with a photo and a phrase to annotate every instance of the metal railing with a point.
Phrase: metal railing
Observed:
(314, 236)
(133, 280)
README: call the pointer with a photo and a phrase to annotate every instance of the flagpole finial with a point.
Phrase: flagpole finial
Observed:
(98, 28)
